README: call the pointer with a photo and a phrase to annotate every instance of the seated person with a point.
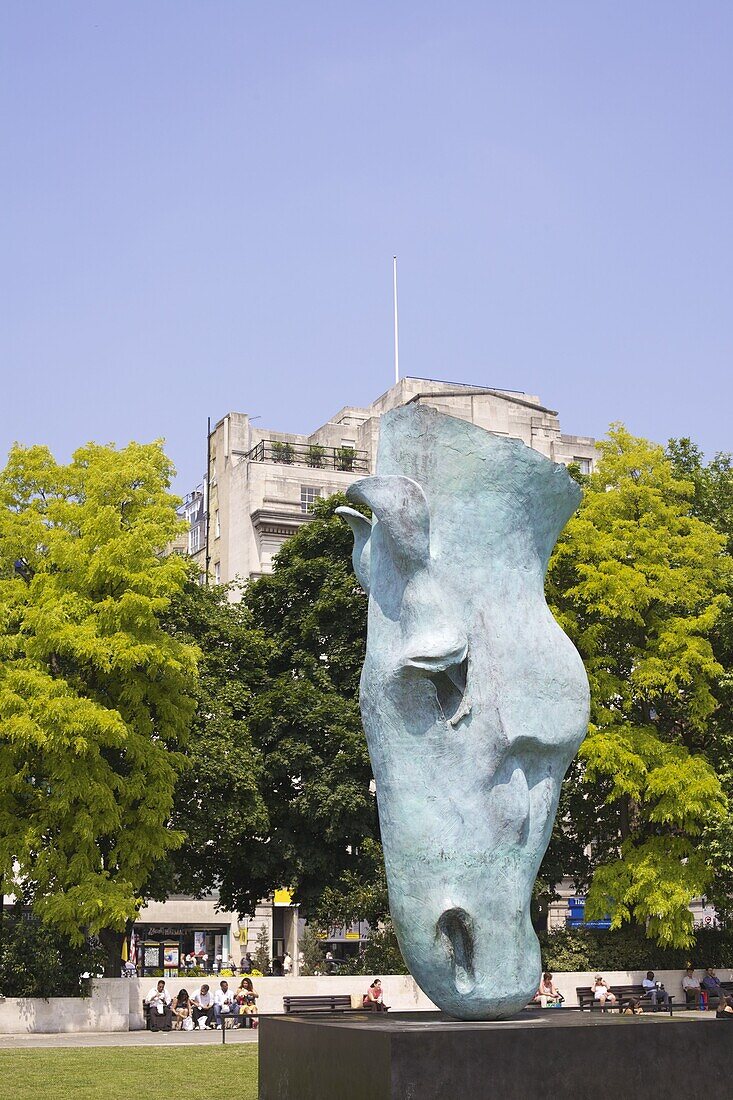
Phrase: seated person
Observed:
(203, 1008)
(246, 999)
(654, 992)
(548, 993)
(181, 1007)
(602, 991)
(374, 998)
(159, 1000)
(692, 990)
(711, 985)
(224, 1004)
(725, 1009)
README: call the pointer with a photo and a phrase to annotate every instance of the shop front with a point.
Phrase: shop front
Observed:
(162, 949)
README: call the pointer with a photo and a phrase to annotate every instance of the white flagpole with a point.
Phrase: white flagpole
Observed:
(396, 334)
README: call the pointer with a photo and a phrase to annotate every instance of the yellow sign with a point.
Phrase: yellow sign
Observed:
(283, 897)
(356, 936)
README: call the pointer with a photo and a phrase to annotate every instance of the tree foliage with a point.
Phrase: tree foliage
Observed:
(712, 501)
(219, 803)
(261, 957)
(37, 961)
(95, 697)
(639, 583)
(313, 954)
(305, 722)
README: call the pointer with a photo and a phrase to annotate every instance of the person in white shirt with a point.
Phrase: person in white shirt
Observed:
(653, 991)
(159, 1000)
(602, 991)
(223, 1002)
(691, 986)
(287, 963)
(203, 1008)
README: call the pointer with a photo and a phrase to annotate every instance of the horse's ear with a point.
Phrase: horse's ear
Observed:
(401, 507)
(361, 528)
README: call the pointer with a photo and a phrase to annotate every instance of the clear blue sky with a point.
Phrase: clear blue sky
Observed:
(201, 202)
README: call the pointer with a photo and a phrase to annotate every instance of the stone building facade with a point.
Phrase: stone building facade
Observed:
(261, 483)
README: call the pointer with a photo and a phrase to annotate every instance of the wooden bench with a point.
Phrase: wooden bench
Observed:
(329, 1002)
(692, 999)
(625, 995)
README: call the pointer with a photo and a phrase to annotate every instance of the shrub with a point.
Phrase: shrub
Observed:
(628, 949)
(282, 452)
(345, 458)
(313, 955)
(37, 962)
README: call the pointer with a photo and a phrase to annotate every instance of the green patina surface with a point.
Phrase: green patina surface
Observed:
(473, 700)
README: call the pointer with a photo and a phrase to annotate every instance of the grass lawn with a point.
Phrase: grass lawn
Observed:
(117, 1073)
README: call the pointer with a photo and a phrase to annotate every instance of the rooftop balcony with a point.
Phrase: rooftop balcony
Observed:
(347, 459)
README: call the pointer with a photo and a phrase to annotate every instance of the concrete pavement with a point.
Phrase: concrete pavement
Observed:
(126, 1039)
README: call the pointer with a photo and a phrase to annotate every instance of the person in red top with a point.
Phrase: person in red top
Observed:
(374, 998)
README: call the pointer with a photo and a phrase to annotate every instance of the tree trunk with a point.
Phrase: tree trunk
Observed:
(539, 910)
(111, 941)
(625, 817)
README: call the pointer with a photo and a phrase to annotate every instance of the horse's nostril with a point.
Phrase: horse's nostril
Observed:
(450, 687)
(455, 927)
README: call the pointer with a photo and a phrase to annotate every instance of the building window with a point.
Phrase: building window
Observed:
(217, 525)
(584, 464)
(194, 539)
(217, 572)
(309, 494)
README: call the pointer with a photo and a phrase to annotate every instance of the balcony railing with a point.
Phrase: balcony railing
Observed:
(348, 459)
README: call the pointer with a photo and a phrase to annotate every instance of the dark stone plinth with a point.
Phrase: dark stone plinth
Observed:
(536, 1056)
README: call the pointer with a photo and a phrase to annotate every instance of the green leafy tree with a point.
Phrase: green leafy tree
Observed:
(261, 957)
(95, 697)
(639, 583)
(712, 502)
(305, 721)
(313, 954)
(36, 961)
(219, 802)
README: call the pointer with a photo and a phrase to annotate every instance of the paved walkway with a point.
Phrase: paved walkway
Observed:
(180, 1038)
(127, 1039)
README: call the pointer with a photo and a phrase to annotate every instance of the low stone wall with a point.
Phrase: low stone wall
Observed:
(106, 1009)
(115, 1004)
(670, 979)
(401, 992)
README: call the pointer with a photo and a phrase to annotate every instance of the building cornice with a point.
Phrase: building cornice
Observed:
(267, 521)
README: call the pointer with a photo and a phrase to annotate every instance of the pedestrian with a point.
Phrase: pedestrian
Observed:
(181, 1010)
(159, 1004)
(654, 991)
(246, 999)
(373, 999)
(224, 1004)
(203, 1008)
(713, 988)
(692, 990)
